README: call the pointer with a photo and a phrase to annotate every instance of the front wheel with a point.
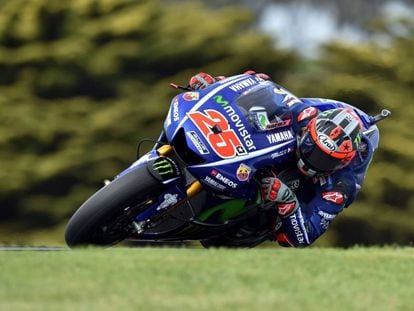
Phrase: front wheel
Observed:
(106, 217)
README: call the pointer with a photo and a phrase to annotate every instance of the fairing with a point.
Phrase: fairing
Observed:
(229, 148)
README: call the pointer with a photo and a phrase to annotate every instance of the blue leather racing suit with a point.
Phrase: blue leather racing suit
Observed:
(321, 199)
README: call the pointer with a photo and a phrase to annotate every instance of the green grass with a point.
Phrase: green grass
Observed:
(217, 279)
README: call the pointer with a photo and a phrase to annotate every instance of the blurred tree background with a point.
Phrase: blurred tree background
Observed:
(82, 81)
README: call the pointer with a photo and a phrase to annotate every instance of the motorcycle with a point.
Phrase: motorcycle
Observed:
(200, 181)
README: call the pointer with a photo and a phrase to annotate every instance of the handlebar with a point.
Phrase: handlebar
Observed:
(379, 117)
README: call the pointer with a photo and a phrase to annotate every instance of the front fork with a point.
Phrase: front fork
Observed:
(192, 189)
(167, 171)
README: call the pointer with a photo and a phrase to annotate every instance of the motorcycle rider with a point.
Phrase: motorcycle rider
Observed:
(333, 155)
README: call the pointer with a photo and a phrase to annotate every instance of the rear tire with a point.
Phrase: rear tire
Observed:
(250, 233)
(223, 241)
(85, 226)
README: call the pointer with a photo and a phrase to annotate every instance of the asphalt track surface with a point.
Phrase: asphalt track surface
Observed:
(33, 248)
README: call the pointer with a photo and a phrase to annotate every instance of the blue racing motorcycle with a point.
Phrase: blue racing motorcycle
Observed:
(200, 180)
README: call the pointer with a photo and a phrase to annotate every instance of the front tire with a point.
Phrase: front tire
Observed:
(87, 225)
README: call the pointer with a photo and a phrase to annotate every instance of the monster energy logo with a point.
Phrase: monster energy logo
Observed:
(163, 167)
(326, 113)
(357, 139)
(263, 120)
(219, 100)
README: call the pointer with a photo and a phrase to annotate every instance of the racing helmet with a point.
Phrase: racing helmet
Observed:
(329, 142)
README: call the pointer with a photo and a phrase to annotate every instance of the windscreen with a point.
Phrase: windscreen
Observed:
(263, 95)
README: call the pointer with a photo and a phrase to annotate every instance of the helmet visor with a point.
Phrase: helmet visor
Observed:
(315, 158)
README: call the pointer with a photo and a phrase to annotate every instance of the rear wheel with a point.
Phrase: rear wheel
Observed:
(227, 242)
(250, 233)
(106, 217)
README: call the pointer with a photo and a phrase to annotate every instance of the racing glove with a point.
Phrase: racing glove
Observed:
(258, 75)
(201, 81)
(273, 189)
